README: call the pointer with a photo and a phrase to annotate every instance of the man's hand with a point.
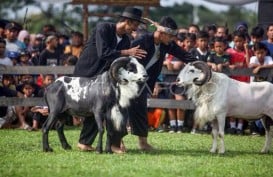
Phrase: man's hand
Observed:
(135, 52)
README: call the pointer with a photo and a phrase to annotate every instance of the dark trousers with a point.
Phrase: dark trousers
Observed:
(89, 131)
(138, 115)
(138, 120)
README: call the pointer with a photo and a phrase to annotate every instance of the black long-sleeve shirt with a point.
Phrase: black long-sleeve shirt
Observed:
(100, 50)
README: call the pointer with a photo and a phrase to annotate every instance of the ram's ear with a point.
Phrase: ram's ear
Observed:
(115, 68)
(205, 77)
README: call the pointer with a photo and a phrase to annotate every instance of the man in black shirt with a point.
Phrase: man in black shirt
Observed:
(108, 41)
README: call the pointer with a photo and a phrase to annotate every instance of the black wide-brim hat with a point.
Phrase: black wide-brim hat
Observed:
(132, 13)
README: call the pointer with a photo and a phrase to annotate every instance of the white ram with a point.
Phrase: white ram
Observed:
(216, 96)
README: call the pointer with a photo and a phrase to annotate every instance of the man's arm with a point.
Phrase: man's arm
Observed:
(181, 54)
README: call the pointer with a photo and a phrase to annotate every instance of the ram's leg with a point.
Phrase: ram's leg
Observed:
(45, 130)
(214, 133)
(60, 130)
(109, 133)
(268, 134)
(221, 125)
(99, 121)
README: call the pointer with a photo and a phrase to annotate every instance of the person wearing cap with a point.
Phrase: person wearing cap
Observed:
(50, 55)
(13, 44)
(107, 42)
(157, 45)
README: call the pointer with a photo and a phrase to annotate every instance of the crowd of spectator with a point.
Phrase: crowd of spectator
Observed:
(216, 45)
(20, 48)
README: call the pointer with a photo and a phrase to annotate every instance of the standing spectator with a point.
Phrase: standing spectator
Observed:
(3, 59)
(240, 56)
(193, 28)
(50, 56)
(221, 31)
(13, 44)
(219, 58)
(108, 41)
(76, 46)
(269, 41)
(24, 37)
(3, 23)
(176, 116)
(211, 29)
(201, 51)
(259, 61)
(24, 59)
(188, 40)
(256, 35)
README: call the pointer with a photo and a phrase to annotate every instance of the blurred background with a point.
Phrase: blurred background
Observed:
(33, 14)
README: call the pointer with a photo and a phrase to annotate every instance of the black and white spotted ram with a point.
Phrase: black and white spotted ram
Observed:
(105, 96)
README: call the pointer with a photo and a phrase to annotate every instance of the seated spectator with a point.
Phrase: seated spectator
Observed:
(156, 116)
(41, 112)
(24, 115)
(27, 78)
(7, 113)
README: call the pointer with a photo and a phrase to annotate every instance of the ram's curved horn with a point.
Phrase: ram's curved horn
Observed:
(116, 65)
(205, 69)
(162, 28)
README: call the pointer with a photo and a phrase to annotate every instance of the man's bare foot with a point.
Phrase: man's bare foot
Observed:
(84, 147)
(122, 146)
(117, 150)
(144, 145)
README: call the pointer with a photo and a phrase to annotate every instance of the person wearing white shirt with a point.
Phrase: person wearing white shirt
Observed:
(260, 60)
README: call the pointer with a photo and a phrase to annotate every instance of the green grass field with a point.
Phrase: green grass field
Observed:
(176, 155)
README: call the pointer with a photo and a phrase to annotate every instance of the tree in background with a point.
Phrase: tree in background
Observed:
(67, 17)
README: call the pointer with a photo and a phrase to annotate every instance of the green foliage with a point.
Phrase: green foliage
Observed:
(67, 17)
(176, 155)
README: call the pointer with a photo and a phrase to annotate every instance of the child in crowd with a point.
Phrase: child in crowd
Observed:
(23, 112)
(176, 116)
(259, 61)
(201, 52)
(41, 112)
(219, 58)
(240, 56)
(156, 116)
(3, 59)
(256, 35)
(187, 40)
(24, 59)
